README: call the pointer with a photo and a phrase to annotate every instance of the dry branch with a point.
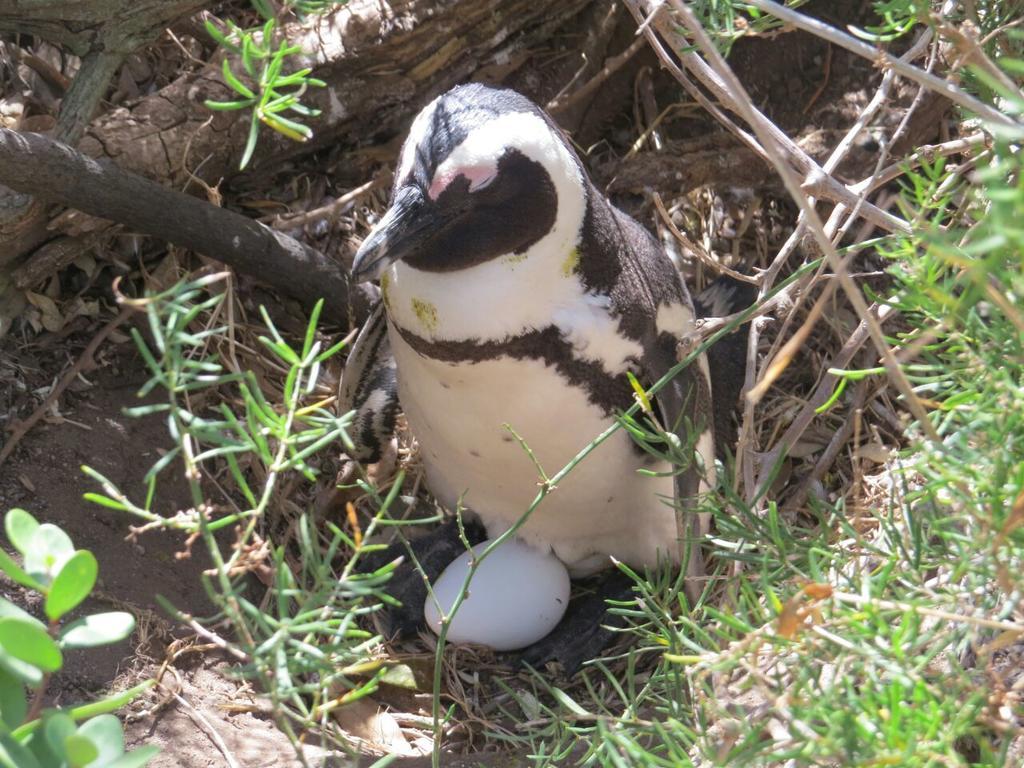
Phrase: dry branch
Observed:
(802, 177)
(37, 165)
(103, 32)
(838, 222)
(769, 141)
(821, 393)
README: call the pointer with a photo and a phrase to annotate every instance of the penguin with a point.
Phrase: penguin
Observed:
(516, 304)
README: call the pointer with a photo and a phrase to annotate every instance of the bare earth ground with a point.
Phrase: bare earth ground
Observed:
(43, 477)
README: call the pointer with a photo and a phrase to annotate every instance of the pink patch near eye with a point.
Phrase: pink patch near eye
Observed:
(478, 176)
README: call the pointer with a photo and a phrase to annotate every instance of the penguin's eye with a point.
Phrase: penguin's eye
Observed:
(478, 177)
(475, 185)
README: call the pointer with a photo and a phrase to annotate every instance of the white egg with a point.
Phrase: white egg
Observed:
(517, 595)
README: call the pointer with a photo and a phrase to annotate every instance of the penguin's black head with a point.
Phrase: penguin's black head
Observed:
(482, 174)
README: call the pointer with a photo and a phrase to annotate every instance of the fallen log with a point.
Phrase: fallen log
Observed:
(35, 164)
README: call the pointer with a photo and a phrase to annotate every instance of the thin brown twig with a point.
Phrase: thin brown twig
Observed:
(745, 448)
(611, 66)
(653, 127)
(781, 360)
(645, 110)
(924, 154)
(835, 445)
(35, 707)
(598, 37)
(706, 326)
(893, 605)
(821, 393)
(745, 138)
(50, 74)
(767, 133)
(206, 727)
(332, 209)
(699, 252)
(1000, 30)
(213, 638)
(21, 428)
(783, 147)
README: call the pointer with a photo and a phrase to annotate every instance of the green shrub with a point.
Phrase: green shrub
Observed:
(31, 651)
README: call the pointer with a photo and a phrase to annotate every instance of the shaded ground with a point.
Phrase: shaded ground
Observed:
(44, 478)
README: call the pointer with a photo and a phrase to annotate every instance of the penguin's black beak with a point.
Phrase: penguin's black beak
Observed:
(402, 230)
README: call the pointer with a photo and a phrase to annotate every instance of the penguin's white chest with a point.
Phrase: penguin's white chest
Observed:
(604, 507)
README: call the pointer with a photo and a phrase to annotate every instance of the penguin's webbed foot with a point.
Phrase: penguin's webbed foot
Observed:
(433, 551)
(587, 628)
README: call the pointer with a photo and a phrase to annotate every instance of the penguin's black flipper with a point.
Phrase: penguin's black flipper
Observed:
(728, 357)
(685, 409)
(369, 386)
(698, 405)
(587, 628)
(434, 551)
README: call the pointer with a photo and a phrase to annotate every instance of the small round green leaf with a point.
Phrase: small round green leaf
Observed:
(136, 758)
(9, 609)
(30, 643)
(48, 549)
(20, 527)
(106, 734)
(98, 629)
(17, 573)
(15, 755)
(72, 585)
(28, 674)
(80, 751)
(13, 704)
(57, 728)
